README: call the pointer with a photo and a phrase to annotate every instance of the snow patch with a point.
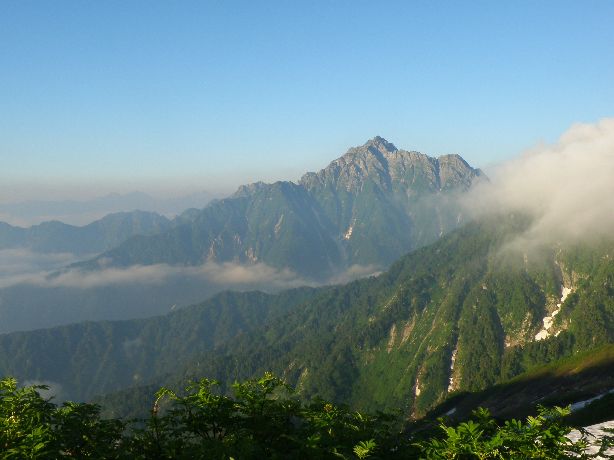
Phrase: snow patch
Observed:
(598, 431)
(302, 379)
(348, 234)
(565, 293)
(549, 319)
(394, 297)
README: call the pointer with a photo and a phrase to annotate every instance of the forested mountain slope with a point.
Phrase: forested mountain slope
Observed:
(462, 314)
(83, 359)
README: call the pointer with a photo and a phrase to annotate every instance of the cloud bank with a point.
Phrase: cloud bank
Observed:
(23, 265)
(567, 187)
(26, 267)
(223, 274)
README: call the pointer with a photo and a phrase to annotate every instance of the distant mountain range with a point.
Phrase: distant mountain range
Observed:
(367, 208)
(82, 212)
(98, 236)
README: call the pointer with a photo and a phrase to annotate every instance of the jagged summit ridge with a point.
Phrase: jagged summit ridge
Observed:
(380, 144)
(380, 161)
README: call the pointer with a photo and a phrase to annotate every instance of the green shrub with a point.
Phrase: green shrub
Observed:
(262, 418)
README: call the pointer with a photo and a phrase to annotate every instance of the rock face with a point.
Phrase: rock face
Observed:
(368, 207)
(385, 202)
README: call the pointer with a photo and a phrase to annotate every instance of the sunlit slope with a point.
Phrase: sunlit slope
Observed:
(462, 314)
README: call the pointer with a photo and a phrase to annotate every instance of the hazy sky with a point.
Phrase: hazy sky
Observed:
(122, 95)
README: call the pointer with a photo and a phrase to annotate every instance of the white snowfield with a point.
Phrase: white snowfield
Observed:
(598, 431)
(549, 320)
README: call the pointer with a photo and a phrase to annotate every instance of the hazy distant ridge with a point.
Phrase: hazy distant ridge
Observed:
(82, 212)
(98, 236)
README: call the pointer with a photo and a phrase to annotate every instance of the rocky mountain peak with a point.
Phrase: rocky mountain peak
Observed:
(380, 144)
(380, 162)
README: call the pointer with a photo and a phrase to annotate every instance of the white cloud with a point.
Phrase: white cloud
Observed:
(568, 187)
(24, 265)
(27, 270)
(354, 272)
(223, 274)
(16, 261)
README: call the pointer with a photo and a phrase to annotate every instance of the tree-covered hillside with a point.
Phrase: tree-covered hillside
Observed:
(84, 359)
(462, 314)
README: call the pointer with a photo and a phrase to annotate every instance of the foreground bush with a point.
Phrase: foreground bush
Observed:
(541, 437)
(262, 419)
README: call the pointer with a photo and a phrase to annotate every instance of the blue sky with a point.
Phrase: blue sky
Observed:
(128, 94)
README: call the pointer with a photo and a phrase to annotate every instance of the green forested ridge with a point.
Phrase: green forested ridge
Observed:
(382, 342)
(84, 359)
(400, 333)
(389, 341)
(25, 306)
